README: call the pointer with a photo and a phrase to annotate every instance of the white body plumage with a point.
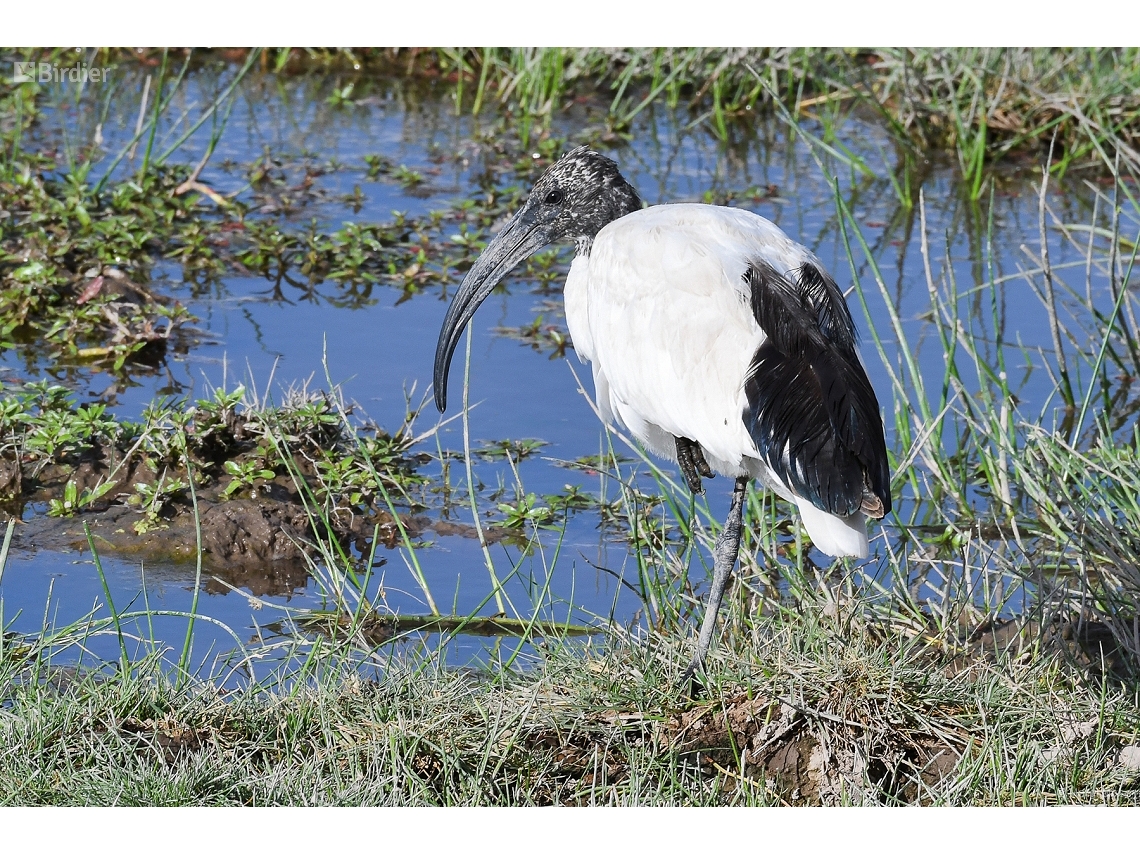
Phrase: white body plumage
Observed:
(660, 309)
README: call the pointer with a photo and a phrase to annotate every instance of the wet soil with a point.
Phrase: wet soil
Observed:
(375, 629)
(260, 541)
(253, 544)
(167, 740)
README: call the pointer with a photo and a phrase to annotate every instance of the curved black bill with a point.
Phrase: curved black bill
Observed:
(521, 236)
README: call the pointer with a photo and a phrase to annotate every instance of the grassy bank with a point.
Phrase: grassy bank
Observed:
(812, 708)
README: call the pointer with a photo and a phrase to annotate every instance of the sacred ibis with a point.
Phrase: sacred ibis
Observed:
(715, 339)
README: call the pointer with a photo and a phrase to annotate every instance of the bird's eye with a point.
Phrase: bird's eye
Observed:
(554, 197)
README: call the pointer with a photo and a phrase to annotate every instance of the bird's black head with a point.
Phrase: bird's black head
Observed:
(573, 200)
(579, 195)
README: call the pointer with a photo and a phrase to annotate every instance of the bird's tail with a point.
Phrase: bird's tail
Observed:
(837, 536)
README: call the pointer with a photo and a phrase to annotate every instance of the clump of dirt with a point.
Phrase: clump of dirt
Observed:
(258, 543)
(588, 757)
(11, 479)
(245, 531)
(993, 640)
(257, 475)
(1090, 645)
(491, 533)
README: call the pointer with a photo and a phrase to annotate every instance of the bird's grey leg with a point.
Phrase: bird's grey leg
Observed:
(691, 459)
(724, 559)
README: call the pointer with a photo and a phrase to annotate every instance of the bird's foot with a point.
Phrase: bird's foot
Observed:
(701, 464)
(691, 459)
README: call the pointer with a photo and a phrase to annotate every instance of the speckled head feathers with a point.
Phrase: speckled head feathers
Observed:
(584, 191)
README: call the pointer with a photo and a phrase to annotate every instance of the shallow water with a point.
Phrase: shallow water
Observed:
(380, 348)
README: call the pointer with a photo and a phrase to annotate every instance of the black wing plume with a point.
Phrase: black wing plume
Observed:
(811, 410)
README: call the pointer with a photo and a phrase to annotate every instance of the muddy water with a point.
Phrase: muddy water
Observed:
(379, 347)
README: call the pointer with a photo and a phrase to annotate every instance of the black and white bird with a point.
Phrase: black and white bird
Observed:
(715, 339)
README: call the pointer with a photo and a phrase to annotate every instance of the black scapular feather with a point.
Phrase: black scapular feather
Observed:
(811, 410)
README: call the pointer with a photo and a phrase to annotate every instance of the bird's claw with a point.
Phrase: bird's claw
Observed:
(701, 463)
(691, 459)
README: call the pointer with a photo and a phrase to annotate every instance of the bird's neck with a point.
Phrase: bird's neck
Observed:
(625, 200)
(621, 200)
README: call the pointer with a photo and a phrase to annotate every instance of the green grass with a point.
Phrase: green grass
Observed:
(229, 440)
(882, 721)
